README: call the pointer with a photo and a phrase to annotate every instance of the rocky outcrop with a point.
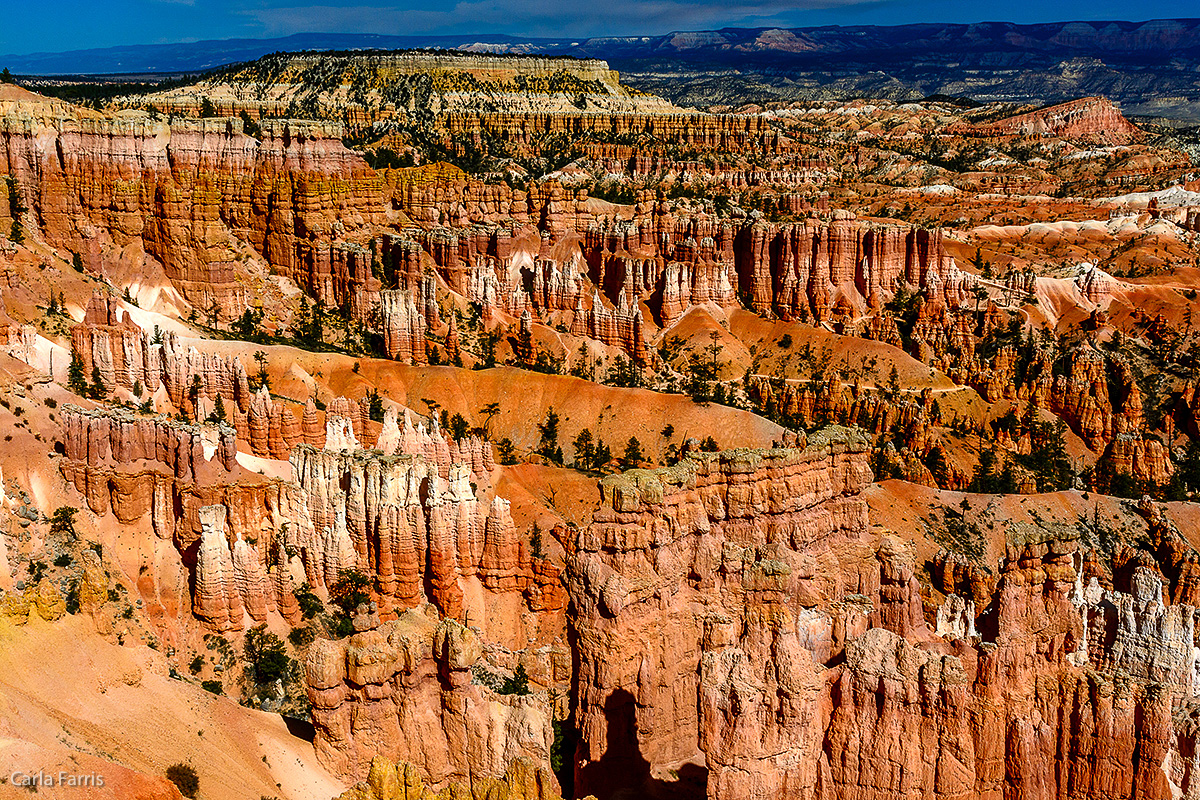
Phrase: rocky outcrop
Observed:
(189, 452)
(403, 326)
(423, 537)
(364, 88)
(401, 781)
(1089, 119)
(740, 597)
(404, 690)
(199, 195)
(617, 327)
(399, 436)
(760, 533)
(110, 343)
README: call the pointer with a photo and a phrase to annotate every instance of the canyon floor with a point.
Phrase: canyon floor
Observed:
(424, 424)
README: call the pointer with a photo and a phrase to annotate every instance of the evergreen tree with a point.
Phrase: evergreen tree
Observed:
(218, 412)
(585, 450)
(487, 349)
(506, 451)
(98, 389)
(582, 367)
(252, 128)
(266, 658)
(316, 331)
(936, 463)
(548, 435)
(524, 348)
(15, 210)
(633, 454)
(262, 378)
(603, 454)
(623, 373)
(302, 324)
(376, 408)
(535, 541)
(487, 412)
(246, 326)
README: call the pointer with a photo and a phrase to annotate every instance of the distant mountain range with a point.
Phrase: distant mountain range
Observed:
(1149, 68)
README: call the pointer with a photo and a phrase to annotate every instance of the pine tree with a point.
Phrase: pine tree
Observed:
(937, 466)
(218, 412)
(506, 451)
(548, 435)
(15, 210)
(303, 322)
(603, 454)
(98, 390)
(316, 330)
(524, 348)
(633, 454)
(75, 379)
(585, 450)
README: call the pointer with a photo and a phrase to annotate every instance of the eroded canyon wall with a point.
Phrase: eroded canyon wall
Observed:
(736, 616)
(200, 196)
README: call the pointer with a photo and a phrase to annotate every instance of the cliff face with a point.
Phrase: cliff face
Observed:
(200, 197)
(403, 689)
(735, 613)
(551, 250)
(420, 535)
(126, 356)
(371, 87)
(690, 577)
(1093, 119)
(390, 512)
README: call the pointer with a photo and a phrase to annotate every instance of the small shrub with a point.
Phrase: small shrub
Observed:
(310, 604)
(301, 637)
(196, 665)
(184, 778)
(63, 521)
(216, 687)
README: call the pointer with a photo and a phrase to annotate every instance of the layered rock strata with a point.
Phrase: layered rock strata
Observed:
(404, 690)
(734, 616)
(422, 537)
(198, 194)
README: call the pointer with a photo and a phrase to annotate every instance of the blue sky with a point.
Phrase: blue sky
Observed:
(53, 25)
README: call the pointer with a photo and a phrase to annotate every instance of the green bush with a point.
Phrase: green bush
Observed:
(266, 656)
(301, 637)
(310, 604)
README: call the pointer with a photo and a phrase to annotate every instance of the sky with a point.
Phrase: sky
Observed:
(28, 26)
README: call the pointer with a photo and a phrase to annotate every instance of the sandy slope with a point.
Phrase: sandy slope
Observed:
(68, 700)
